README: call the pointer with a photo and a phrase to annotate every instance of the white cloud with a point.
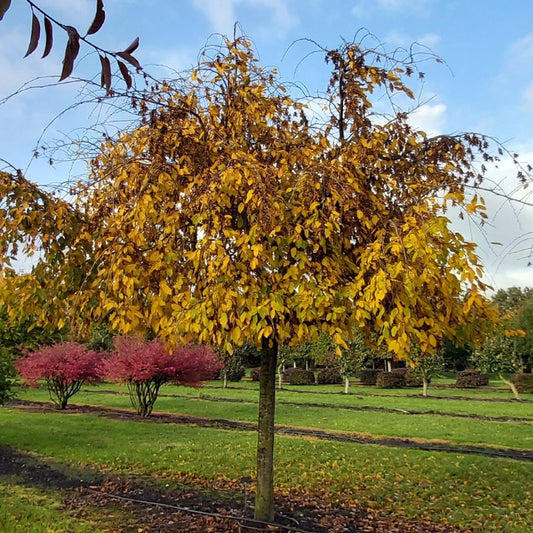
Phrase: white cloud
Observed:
(222, 14)
(364, 7)
(528, 98)
(429, 118)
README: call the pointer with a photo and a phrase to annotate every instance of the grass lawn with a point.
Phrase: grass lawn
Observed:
(468, 491)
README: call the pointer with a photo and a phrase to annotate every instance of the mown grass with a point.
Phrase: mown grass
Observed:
(468, 491)
(516, 434)
(36, 510)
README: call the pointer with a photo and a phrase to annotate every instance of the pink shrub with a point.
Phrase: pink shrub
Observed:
(145, 365)
(65, 367)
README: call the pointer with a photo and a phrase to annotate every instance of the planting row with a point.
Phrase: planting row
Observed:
(143, 365)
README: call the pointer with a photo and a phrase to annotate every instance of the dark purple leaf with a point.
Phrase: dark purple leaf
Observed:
(49, 31)
(71, 52)
(35, 34)
(125, 73)
(129, 58)
(99, 18)
(133, 46)
(4, 6)
(105, 79)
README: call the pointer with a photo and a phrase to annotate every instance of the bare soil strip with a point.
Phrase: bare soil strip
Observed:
(291, 431)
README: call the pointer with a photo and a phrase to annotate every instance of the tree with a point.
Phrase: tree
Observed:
(516, 307)
(145, 365)
(498, 355)
(426, 366)
(232, 368)
(65, 367)
(226, 215)
(353, 359)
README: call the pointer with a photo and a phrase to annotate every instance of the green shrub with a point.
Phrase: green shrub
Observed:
(329, 376)
(254, 374)
(299, 376)
(470, 378)
(368, 376)
(390, 380)
(235, 373)
(7, 375)
(413, 378)
(523, 382)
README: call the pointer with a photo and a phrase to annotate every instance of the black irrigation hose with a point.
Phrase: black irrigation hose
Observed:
(250, 523)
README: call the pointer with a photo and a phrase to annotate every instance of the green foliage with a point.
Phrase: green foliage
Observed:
(299, 376)
(390, 380)
(455, 358)
(511, 299)
(7, 375)
(471, 378)
(497, 355)
(523, 382)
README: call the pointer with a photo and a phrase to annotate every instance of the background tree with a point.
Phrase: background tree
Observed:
(498, 355)
(232, 368)
(65, 367)
(225, 215)
(353, 359)
(426, 366)
(146, 365)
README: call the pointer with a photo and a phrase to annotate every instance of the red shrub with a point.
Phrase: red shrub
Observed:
(65, 367)
(145, 365)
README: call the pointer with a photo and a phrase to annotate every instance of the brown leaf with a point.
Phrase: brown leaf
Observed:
(99, 18)
(71, 52)
(129, 58)
(133, 46)
(35, 34)
(4, 6)
(105, 79)
(49, 31)
(125, 73)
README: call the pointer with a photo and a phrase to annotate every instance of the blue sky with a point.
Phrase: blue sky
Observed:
(485, 85)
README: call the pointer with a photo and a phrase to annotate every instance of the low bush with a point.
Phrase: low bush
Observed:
(523, 382)
(329, 376)
(369, 376)
(471, 378)
(235, 373)
(254, 373)
(299, 376)
(413, 378)
(145, 365)
(65, 367)
(390, 380)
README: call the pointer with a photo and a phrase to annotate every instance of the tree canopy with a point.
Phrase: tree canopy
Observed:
(227, 214)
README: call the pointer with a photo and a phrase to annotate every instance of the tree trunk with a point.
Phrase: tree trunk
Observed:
(225, 381)
(424, 386)
(264, 498)
(346, 384)
(512, 386)
(280, 376)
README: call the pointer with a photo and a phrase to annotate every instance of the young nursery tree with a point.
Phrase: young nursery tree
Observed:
(65, 367)
(227, 215)
(146, 365)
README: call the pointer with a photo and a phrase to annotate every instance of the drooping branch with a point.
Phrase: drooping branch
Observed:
(75, 38)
